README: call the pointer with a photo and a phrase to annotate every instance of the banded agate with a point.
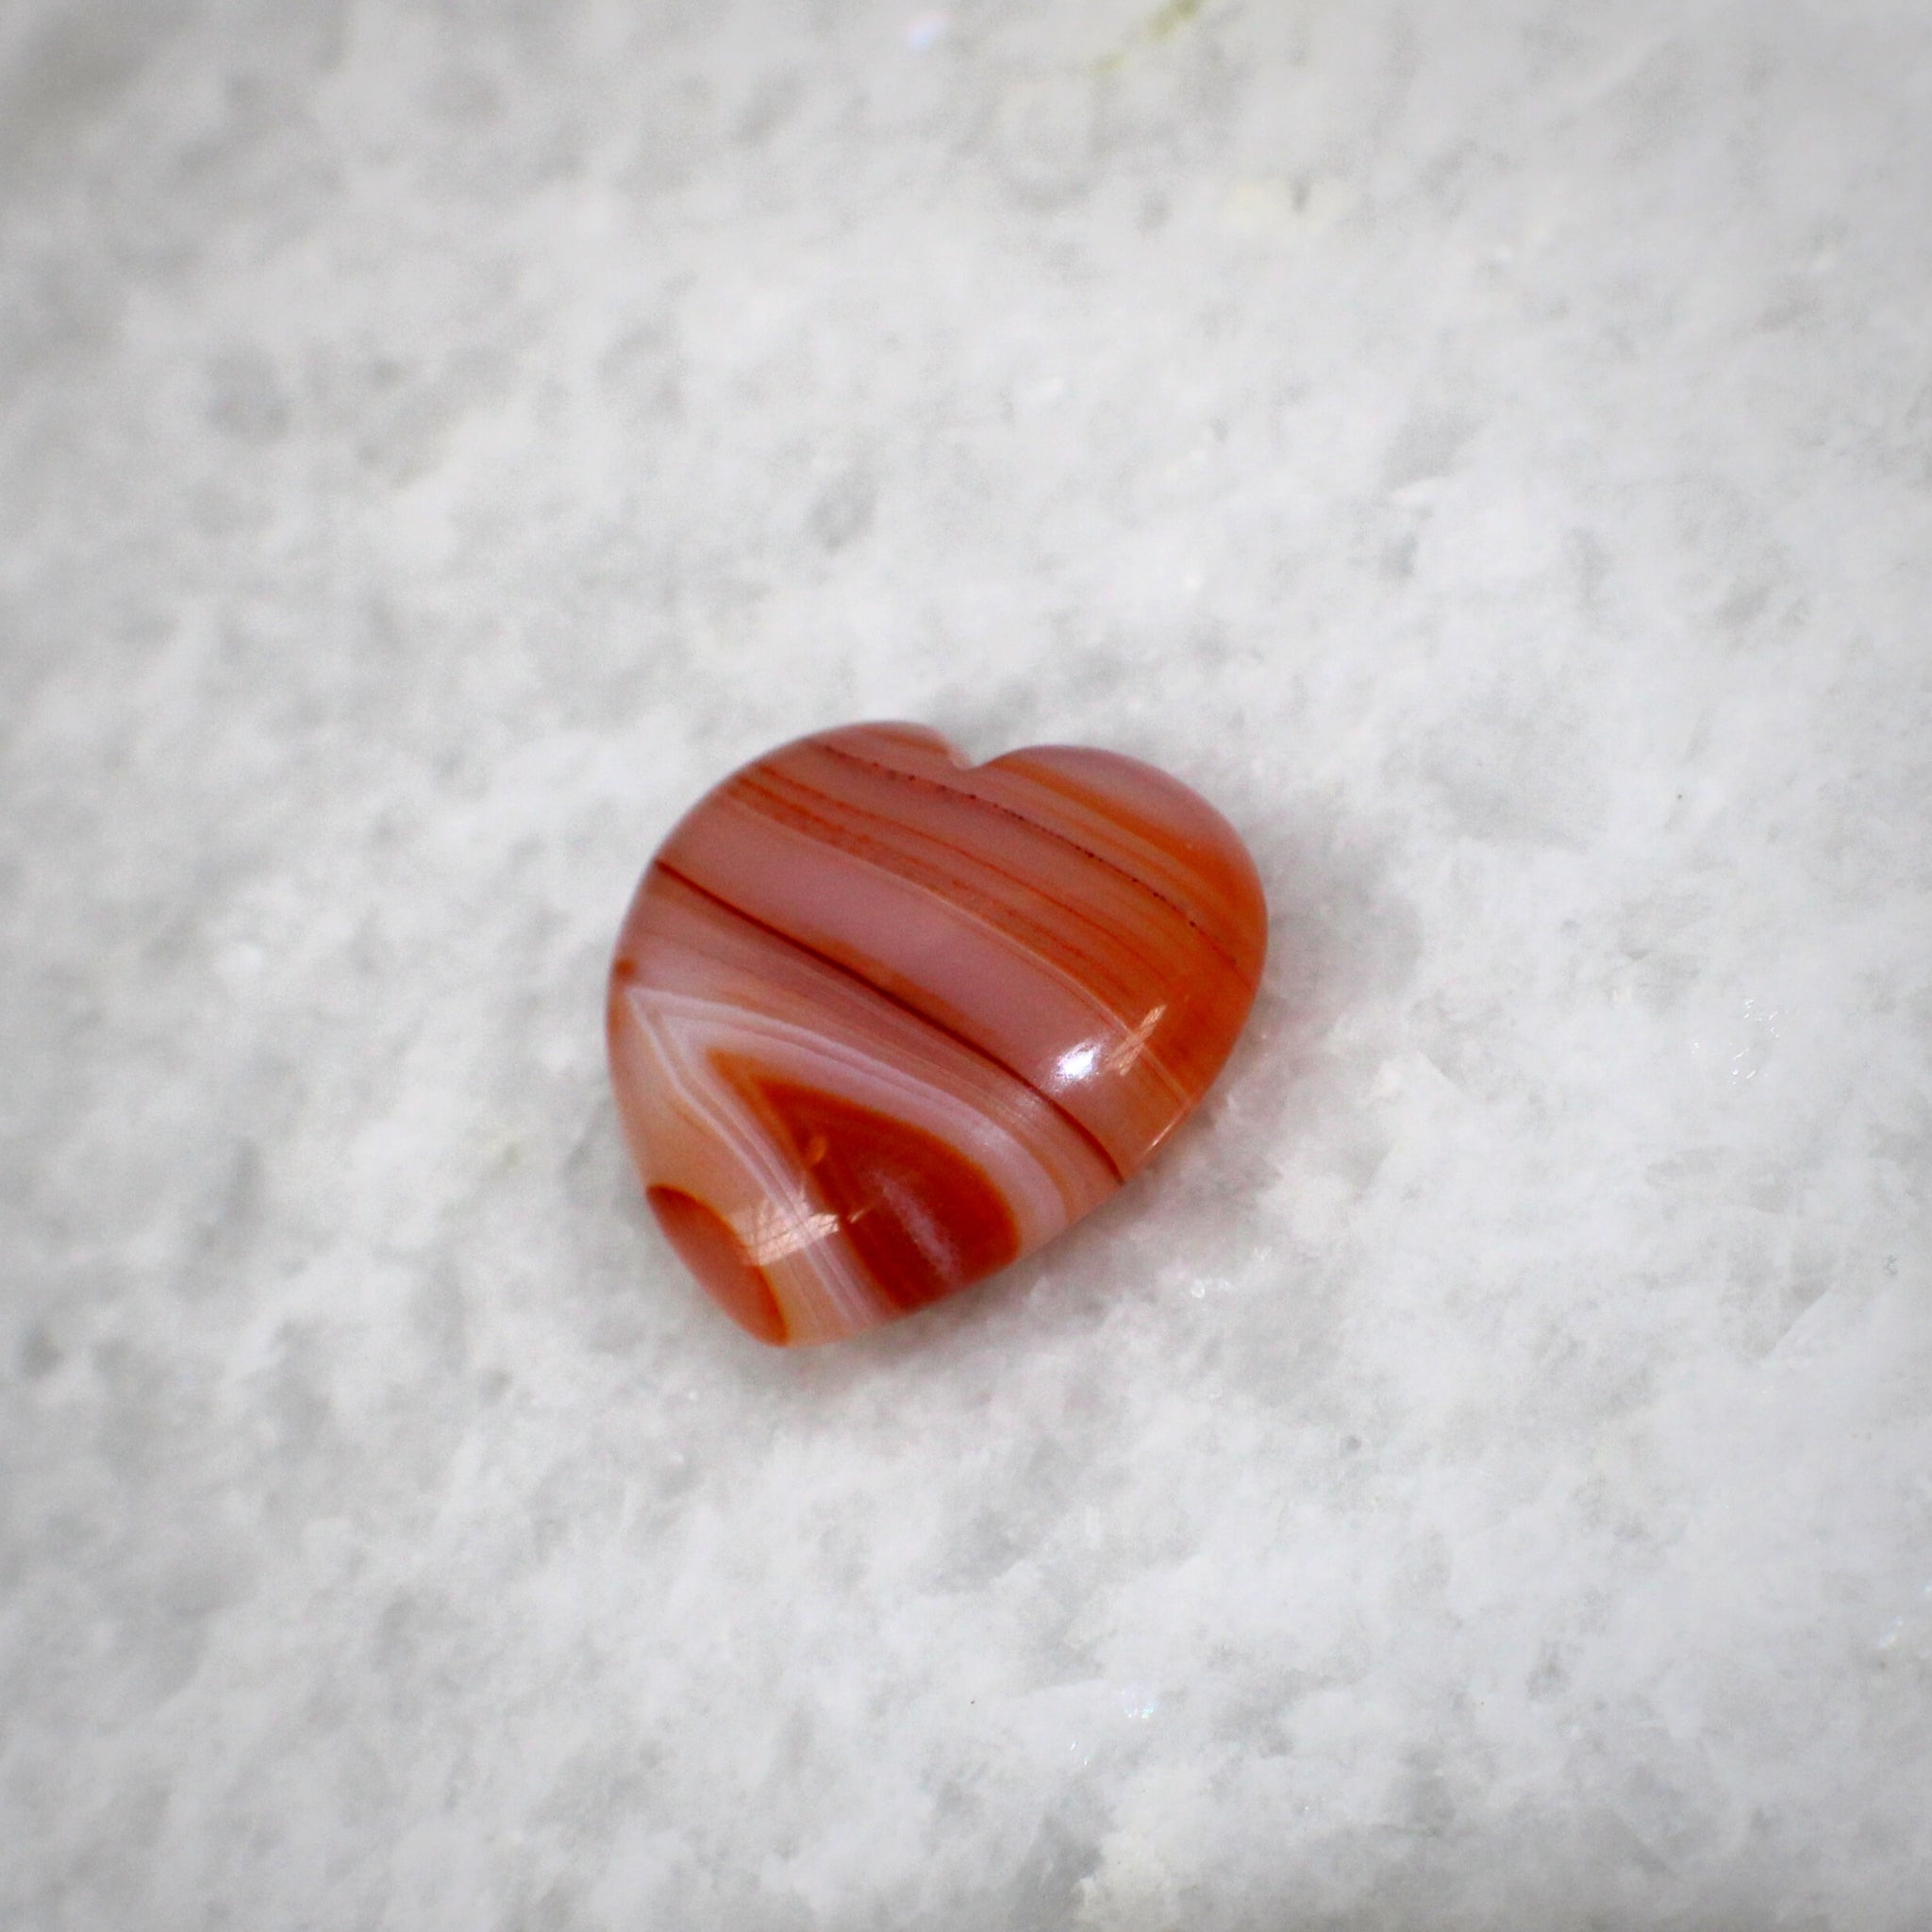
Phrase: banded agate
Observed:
(882, 1022)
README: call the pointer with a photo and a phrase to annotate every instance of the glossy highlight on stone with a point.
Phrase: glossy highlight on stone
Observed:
(882, 1022)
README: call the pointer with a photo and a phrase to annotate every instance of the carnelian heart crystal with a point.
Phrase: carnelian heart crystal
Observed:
(882, 1022)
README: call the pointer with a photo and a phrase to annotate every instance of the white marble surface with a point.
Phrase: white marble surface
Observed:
(1483, 1477)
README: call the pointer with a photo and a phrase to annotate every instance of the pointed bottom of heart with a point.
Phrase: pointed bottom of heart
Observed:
(921, 1219)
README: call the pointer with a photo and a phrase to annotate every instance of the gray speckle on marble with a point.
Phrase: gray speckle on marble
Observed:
(1482, 1474)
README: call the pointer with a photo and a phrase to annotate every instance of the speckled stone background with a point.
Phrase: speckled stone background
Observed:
(1482, 1476)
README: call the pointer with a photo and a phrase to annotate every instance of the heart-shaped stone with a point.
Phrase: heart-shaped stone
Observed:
(881, 1021)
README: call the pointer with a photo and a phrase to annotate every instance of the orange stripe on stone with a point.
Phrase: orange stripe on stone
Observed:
(920, 1216)
(706, 1246)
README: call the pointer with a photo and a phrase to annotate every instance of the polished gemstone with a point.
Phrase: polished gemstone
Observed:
(882, 1022)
